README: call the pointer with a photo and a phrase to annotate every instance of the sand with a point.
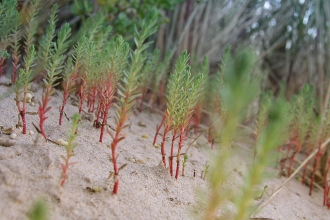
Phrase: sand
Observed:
(30, 170)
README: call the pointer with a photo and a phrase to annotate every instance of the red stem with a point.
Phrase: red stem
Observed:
(43, 109)
(163, 144)
(316, 163)
(182, 138)
(158, 129)
(298, 148)
(104, 122)
(172, 152)
(65, 96)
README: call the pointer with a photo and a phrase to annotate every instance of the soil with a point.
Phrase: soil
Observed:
(30, 170)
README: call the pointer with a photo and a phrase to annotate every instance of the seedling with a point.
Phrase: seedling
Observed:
(39, 211)
(206, 170)
(53, 69)
(202, 98)
(69, 149)
(127, 90)
(182, 95)
(71, 73)
(184, 163)
(23, 81)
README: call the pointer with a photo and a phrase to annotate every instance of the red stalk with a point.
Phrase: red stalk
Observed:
(166, 130)
(297, 149)
(182, 138)
(172, 151)
(316, 163)
(158, 129)
(43, 109)
(22, 110)
(114, 144)
(65, 96)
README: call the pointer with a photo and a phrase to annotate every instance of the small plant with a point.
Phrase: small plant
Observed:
(39, 211)
(237, 92)
(117, 59)
(182, 95)
(184, 163)
(53, 69)
(69, 149)
(25, 76)
(261, 120)
(202, 98)
(277, 120)
(206, 170)
(217, 108)
(127, 90)
(302, 112)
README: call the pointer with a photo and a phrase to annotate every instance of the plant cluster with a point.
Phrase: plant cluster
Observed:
(183, 91)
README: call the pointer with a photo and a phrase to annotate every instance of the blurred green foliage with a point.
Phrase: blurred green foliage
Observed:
(124, 15)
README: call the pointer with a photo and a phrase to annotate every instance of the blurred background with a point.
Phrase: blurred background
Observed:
(291, 37)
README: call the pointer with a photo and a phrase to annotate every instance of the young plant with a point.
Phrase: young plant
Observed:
(53, 70)
(202, 98)
(302, 112)
(261, 120)
(23, 82)
(26, 75)
(277, 120)
(184, 163)
(127, 91)
(69, 148)
(71, 73)
(237, 92)
(216, 106)
(182, 94)
(116, 60)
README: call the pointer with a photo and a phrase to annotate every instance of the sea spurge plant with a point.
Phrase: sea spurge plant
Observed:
(23, 83)
(302, 111)
(46, 41)
(69, 148)
(216, 107)
(202, 98)
(116, 63)
(183, 91)
(127, 90)
(53, 70)
(71, 72)
(237, 92)
(261, 119)
(266, 146)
